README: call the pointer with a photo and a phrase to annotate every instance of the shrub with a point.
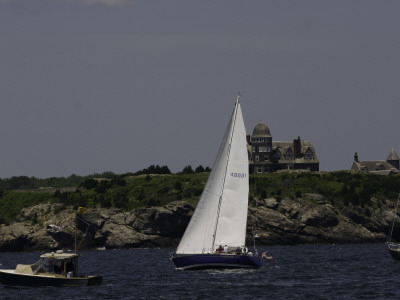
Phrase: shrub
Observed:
(89, 183)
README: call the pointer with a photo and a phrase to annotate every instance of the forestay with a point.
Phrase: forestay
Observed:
(221, 214)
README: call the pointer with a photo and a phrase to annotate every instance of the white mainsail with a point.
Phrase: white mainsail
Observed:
(221, 214)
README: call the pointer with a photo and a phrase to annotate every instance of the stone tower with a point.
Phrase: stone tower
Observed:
(261, 141)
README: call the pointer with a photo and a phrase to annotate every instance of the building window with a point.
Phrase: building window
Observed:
(259, 170)
(308, 156)
(257, 158)
(264, 149)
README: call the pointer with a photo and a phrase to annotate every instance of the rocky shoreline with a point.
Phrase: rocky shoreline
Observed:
(308, 220)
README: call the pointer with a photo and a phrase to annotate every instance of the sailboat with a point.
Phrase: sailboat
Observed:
(215, 236)
(394, 248)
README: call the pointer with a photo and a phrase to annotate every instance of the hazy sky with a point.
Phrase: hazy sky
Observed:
(88, 86)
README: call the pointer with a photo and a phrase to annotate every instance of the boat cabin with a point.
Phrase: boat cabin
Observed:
(57, 263)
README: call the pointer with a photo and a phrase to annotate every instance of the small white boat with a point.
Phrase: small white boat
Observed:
(53, 269)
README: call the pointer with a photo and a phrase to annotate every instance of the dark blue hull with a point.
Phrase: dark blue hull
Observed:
(215, 261)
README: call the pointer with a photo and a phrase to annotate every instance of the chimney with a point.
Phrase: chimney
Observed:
(356, 157)
(297, 147)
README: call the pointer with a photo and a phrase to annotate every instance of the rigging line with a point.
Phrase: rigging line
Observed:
(391, 229)
(226, 167)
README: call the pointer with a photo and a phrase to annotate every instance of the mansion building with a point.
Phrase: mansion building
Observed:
(381, 167)
(266, 156)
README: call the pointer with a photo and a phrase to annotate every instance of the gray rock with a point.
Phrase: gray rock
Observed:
(288, 221)
(271, 203)
(319, 216)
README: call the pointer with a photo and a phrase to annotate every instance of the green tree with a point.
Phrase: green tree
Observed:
(19, 182)
(102, 187)
(199, 169)
(89, 183)
(187, 170)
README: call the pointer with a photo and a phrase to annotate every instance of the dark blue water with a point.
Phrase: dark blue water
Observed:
(296, 272)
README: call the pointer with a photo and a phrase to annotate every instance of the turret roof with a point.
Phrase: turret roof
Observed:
(392, 156)
(260, 131)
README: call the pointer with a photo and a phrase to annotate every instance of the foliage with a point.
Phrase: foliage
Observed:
(341, 188)
(154, 170)
(130, 191)
(201, 169)
(187, 170)
(28, 183)
(12, 202)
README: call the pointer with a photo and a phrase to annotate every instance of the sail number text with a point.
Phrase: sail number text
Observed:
(238, 175)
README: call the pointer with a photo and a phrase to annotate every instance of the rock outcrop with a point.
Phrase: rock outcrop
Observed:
(286, 221)
(303, 221)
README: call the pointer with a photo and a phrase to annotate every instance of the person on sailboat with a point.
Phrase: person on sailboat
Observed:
(266, 255)
(219, 250)
(226, 249)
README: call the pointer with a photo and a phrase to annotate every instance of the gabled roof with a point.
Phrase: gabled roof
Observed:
(308, 150)
(287, 147)
(373, 166)
(288, 150)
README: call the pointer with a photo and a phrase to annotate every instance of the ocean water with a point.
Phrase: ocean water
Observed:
(296, 272)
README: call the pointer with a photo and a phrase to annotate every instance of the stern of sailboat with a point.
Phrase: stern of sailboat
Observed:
(394, 250)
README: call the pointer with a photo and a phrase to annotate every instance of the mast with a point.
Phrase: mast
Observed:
(221, 213)
(391, 229)
(226, 168)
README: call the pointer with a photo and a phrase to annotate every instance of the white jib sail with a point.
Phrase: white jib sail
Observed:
(221, 214)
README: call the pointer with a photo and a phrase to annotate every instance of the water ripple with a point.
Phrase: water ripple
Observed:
(297, 272)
